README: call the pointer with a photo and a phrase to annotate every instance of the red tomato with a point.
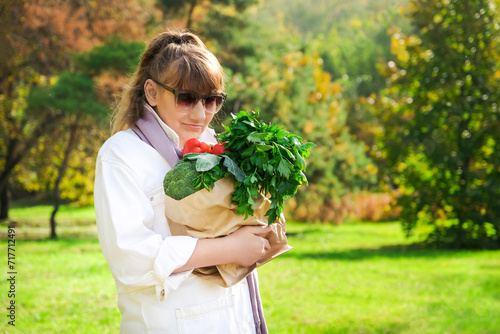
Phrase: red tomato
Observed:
(196, 150)
(205, 147)
(218, 149)
(190, 145)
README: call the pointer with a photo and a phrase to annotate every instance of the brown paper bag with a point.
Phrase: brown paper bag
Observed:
(211, 214)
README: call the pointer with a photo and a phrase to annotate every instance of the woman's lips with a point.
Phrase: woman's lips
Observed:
(194, 126)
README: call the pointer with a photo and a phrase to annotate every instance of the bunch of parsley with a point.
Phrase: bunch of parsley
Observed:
(262, 158)
(271, 159)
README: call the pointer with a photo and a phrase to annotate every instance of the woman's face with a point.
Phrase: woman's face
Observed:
(187, 125)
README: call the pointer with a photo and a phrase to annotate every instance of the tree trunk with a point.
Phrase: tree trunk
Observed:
(11, 160)
(60, 175)
(192, 5)
(4, 202)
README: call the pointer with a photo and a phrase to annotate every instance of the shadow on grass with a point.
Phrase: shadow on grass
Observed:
(384, 328)
(389, 251)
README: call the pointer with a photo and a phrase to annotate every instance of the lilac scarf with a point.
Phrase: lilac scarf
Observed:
(150, 131)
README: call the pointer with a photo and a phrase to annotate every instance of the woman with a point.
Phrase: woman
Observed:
(176, 91)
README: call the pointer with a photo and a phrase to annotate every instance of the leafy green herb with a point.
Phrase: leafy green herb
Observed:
(262, 158)
(272, 160)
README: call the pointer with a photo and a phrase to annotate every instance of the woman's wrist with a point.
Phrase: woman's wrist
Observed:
(210, 252)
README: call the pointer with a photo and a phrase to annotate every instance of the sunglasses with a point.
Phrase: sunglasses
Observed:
(186, 101)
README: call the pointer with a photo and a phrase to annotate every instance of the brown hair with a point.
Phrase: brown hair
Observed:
(178, 59)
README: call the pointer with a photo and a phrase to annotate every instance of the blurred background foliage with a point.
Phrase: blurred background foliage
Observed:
(400, 96)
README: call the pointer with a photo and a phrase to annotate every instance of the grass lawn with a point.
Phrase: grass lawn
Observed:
(353, 278)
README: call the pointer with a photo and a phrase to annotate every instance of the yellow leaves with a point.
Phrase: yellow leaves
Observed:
(441, 214)
(288, 73)
(309, 127)
(306, 60)
(356, 23)
(411, 8)
(276, 86)
(319, 75)
(335, 123)
(432, 96)
(437, 18)
(19, 102)
(283, 112)
(489, 147)
(414, 40)
(253, 83)
(427, 55)
(229, 11)
(398, 45)
(295, 59)
(325, 88)
(371, 168)
(314, 97)
(448, 208)
(401, 166)
(332, 124)
(334, 106)
(290, 59)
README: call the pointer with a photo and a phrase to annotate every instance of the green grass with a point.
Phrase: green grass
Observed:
(354, 278)
(363, 278)
(42, 213)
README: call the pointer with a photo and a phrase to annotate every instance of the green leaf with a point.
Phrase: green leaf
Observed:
(263, 147)
(207, 161)
(284, 168)
(287, 151)
(254, 137)
(300, 163)
(248, 152)
(307, 146)
(233, 168)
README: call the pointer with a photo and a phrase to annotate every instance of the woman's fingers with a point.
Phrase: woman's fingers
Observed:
(249, 244)
(267, 245)
(258, 230)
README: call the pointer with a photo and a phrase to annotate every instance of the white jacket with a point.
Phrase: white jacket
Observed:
(142, 254)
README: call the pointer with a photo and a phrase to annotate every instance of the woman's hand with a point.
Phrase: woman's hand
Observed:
(244, 247)
(247, 244)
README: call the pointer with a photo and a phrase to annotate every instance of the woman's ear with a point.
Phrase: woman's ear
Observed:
(151, 91)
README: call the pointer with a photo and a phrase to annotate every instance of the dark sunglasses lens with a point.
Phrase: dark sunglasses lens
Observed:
(213, 103)
(186, 101)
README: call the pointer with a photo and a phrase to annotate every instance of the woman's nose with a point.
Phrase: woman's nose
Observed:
(198, 111)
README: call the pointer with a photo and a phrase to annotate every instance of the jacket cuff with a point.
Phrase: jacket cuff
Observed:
(174, 253)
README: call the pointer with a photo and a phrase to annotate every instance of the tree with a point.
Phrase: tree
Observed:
(38, 38)
(193, 11)
(218, 22)
(441, 121)
(73, 97)
(361, 43)
(76, 95)
(294, 91)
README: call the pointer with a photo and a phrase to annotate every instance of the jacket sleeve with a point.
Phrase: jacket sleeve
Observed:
(138, 257)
